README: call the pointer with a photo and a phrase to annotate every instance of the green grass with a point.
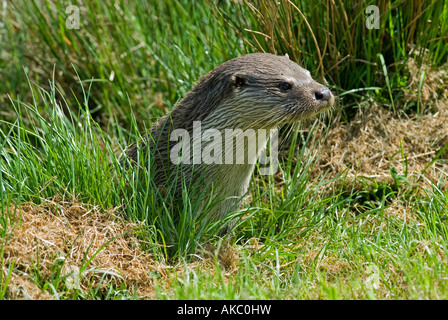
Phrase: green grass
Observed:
(144, 56)
(312, 245)
(65, 120)
(123, 41)
(332, 40)
(71, 157)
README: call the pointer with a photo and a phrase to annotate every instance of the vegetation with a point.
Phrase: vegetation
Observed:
(357, 210)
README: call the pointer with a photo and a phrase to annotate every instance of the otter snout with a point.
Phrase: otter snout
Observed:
(323, 95)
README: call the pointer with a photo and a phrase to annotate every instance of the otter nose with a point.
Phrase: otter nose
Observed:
(323, 94)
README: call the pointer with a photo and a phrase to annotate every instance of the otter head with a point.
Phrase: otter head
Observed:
(258, 90)
(273, 90)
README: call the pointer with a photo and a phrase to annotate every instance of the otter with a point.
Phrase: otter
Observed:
(258, 91)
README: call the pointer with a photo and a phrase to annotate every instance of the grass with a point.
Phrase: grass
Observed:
(119, 52)
(332, 40)
(321, 228)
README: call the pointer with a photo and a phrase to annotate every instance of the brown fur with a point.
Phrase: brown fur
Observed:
(244, 93)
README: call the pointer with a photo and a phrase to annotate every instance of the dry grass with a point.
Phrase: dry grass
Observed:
(67, 234)
(63, 232)
(376, 139)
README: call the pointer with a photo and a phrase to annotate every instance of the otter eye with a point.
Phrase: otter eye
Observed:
(285, 86)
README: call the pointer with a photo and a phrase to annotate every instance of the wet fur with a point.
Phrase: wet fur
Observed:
(241, 93)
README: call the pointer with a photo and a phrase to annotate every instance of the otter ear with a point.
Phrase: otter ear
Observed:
(238, 79)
